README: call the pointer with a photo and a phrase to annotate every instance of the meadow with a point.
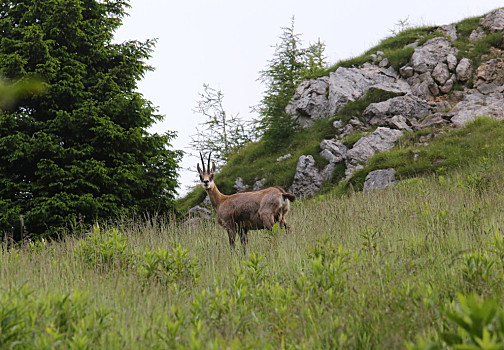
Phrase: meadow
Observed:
(419, 265)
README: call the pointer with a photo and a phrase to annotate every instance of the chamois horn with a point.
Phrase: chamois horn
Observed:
(208, 167)
(202, 162)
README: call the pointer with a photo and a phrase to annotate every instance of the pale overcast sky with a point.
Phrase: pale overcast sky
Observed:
(225, 43)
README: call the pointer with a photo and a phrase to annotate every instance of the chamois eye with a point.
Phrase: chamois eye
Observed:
(201, 178)
(211, 177)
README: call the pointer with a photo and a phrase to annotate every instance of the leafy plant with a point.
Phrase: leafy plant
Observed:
(472, 323)
(54, 320)
(478, 268)
(167, 267)
(103, 250)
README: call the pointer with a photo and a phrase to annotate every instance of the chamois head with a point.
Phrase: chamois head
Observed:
(207, 175)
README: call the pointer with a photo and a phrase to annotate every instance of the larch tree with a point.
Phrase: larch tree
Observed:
(290, 65)
(80, 151)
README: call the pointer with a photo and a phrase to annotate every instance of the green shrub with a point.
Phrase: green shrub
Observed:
(165, 267)
(471, 323)
(103, 250)
(69, 321)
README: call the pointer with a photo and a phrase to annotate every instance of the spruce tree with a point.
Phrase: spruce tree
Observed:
(81, 150)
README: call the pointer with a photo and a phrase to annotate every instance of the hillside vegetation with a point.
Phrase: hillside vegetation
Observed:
(257, 160)
(418, 265)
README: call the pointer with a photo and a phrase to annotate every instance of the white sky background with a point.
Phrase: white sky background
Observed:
(225, 43)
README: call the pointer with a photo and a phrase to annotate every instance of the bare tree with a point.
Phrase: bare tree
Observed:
(221, 133)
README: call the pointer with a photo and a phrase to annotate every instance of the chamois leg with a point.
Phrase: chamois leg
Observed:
(283, 223)
(268, 220)
(243, 232)
(231, 236)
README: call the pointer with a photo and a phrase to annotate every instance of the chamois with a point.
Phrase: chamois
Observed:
(241, 212)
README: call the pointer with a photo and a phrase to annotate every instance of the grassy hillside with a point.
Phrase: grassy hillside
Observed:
(256, 161)
(380, 270)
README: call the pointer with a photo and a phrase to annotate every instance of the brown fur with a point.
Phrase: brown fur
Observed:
(241, 212)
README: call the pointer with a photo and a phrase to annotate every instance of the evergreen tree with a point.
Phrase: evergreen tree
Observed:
(81, 150)
(290, 65)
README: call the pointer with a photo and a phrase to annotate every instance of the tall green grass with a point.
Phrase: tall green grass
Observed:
(387, 269)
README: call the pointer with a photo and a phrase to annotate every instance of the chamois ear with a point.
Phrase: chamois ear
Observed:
(213, 167)
(199, 169)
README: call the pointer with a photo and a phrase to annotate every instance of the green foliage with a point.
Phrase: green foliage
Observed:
(80, 151)
(222, 134)
(166, 267)
(399, 57)
(393, 47)
(12, 92)
(475, 50)
(103, 250)
(290, 65)
(51, 321)
(472, 323)
(471, 144)
(364, 270)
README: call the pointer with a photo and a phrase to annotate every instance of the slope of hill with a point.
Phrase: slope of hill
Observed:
(403, 93)
(419, 264)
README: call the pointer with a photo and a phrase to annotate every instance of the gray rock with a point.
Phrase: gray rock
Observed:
(310, 101)
(258, 185)
(408, 106)
(490, 75)
(406, 71)
(198, 211)
(464, 69)
(307, 179)
(433, 120)
(475, 104)
(338, 124)
(379, 179)
(279, 159)
(356, 123)
(413, 44)
(382, 139)
(488, 88)
(384, 62)
(206, 202)
(494, 21)
(346, 130)
(433, 89)
(239, 186)
(446, 88)
(441, 73)
(399, 122)
(477, 34)
(333, 151)
(348, 84)
(421, 90)
(451, 60)
(434, 51)
(423, 85)
(441, 106)
(450, 30)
